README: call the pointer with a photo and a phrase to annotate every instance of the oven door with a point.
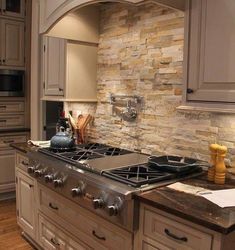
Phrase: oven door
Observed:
(11, 82)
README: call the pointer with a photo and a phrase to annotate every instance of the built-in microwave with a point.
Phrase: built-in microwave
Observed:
(12, 82)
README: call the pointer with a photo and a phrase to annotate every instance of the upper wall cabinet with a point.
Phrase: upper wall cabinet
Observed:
(11, 43)
(69, 70)
(210, 50)
(13, 8)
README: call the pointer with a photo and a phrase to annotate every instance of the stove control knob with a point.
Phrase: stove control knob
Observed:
(115, 208)
(98, 203)
(39, 172)
(58, 183)
(49, 178)
(31, 169)
(79, 190)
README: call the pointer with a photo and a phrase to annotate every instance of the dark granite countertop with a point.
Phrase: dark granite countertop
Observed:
(196, 209)
(23, 147)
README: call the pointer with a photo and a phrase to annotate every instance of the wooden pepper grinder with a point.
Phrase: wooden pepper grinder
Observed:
(220, 168)
(211, 171)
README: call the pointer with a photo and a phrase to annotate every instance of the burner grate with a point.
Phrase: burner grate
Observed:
(112, 151)
(81, 155)
(92, 146)
(138, 175)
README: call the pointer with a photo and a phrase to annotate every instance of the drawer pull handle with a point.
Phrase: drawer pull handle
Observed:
(24, 163)
(54, 242)
(53, 207)
(30, 186)
(97, 236)
(175, 237)
(3, 107)
(10, 141)
(3, 120)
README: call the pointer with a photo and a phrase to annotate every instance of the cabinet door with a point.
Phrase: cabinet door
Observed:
(25, 203)
(14, 8)
(12, 43)
(7, 171)
(51, 237)
(54, 66)
(211, 49)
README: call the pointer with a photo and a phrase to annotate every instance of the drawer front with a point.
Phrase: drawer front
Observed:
(108, 235)
(52, 238)
(156, 246)
(5, 141)
(22, 162)
(11, 121)
(174, 234)
(11, 107)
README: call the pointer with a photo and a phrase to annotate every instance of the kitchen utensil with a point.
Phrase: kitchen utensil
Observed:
(174, 164)
(62, 141)
(130, 114)
(72, 122)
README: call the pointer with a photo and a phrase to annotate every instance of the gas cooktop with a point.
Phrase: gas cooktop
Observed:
(118, 164)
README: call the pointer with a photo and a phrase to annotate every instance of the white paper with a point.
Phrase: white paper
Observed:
(187, 188)
(222, 198)
(42, 144)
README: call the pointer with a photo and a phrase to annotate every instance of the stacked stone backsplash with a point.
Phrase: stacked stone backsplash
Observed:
(141, 52)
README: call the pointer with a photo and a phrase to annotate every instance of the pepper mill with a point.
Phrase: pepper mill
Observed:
(211, 171)
(220, 168)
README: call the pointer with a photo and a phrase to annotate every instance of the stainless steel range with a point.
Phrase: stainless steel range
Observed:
(101, 178)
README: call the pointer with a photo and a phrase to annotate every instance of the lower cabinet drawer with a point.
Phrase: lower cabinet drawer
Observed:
(5, 141)
(156, 246)
(7, 107)
(11, 121)
(173, 234)
(51, 237)
(104, 233)
(22, 162)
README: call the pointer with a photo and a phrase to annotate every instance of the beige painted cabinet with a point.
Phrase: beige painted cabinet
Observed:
(54, 65)
(210, 49)
(12, 8)
(69, 70)
(25, 193)
(162, 231)
(11, 43)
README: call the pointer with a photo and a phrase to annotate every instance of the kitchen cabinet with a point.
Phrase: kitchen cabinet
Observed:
(12, 8)
(209, 50)
(7, 161)
(11, 43)
(69, 70)
(162, 231)
(25, 196)
(93, 230)
(54, 66)
(52, 238)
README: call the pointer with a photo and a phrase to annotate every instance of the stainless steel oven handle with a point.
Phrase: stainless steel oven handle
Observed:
(97, 236)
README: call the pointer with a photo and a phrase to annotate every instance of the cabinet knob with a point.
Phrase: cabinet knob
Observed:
(190, 91)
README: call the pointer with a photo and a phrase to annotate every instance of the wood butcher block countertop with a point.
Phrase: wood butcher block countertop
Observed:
(193, 208)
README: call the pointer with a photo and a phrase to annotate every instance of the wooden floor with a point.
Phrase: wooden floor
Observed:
(10, 234)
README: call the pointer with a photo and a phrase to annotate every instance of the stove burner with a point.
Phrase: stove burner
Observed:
(81, 155)
(138, 175)
(92, 146)
(111, 151)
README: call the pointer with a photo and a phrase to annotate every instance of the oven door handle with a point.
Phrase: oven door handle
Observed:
(97, 236)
